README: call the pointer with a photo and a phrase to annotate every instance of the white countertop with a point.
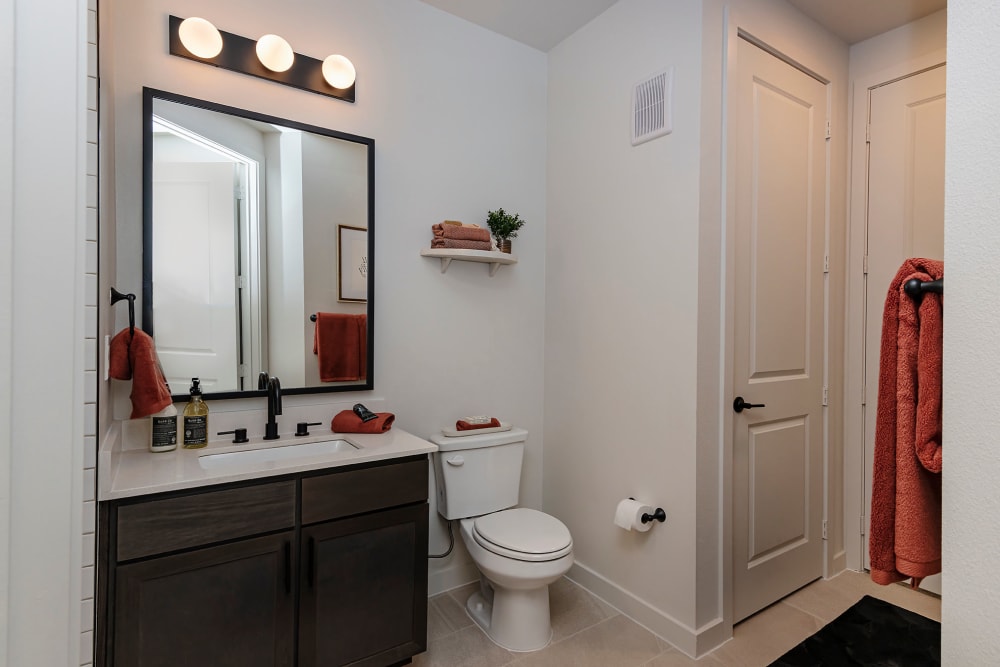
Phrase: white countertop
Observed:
(136, 472)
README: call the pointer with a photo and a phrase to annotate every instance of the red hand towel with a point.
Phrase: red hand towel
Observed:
(905, 538)
(341, 343)
(462, 425)
(459, 244)
(347, 422)
(138, 362)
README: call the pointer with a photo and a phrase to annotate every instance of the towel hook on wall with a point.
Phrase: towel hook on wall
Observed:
(117, 296)
(916, 287)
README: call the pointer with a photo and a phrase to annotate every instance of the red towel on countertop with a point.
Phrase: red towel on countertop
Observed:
(905, 538)
(346, 421)
(340, 341)
(138, 362)
(462, 425)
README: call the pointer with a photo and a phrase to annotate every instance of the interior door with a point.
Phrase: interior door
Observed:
(196, 299)
(778, 319)
(905, 214)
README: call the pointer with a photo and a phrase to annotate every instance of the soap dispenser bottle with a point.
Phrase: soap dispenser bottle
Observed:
(195, 418)
(163, 430)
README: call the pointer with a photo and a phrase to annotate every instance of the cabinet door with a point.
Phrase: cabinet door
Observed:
(364, 589)
(230, 605)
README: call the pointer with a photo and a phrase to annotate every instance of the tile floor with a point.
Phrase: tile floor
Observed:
(590, 633)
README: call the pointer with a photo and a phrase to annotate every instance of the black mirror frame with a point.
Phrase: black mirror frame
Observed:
(148, 95)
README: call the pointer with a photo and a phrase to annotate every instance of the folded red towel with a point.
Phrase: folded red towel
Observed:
(462, 425)
(138, 362)
(461, 233)
(461, 244)
(347, 422)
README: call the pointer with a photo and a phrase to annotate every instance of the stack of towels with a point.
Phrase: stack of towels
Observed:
(454, 234)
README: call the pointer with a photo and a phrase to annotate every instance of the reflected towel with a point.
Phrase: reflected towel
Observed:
(340, 341)
(134, 358)
(462, 425)
(905, 537)
(346, 421)
(461, 244)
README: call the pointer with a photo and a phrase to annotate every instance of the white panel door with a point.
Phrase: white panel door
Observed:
(195, 315)
(778, 356)
(905, 214)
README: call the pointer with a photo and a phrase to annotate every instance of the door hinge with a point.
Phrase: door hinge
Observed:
(868, 133)
(828, 134)
(864, 394)
(239, 193)
(824, 529)
(826, 396)
(241, 282)
(865, 265)
(244, 371)
(826, 264)
(863, 526)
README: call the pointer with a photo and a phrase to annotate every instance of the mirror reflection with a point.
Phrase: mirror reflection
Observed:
(257, 249)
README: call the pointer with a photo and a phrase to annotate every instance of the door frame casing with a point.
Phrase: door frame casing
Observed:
(855, 520)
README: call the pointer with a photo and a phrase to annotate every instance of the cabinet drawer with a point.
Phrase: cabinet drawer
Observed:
(355, 491)
(157, 526)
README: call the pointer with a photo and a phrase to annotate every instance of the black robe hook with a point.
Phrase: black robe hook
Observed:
(117, 296)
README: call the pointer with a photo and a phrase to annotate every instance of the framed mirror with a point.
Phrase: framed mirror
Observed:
(258, 249)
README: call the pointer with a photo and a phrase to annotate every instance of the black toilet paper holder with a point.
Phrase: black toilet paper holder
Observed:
(657, 515)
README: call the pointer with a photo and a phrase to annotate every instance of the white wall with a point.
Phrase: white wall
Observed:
(44, 194)
(971, 534)
(622, 303)
(458, 118)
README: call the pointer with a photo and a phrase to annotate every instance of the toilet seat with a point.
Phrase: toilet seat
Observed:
(523, 534)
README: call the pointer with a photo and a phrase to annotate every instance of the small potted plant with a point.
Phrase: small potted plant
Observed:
(504, 227)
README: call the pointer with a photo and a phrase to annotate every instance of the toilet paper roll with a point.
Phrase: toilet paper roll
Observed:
(628, 515)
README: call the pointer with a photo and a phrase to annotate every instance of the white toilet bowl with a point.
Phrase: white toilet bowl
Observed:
(519, 552)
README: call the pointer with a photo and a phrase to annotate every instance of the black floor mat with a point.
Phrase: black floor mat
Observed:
(872, 632)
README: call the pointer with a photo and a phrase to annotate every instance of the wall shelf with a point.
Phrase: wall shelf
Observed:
(493, 258)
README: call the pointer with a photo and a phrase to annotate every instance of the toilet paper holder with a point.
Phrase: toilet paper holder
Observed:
(657, 515)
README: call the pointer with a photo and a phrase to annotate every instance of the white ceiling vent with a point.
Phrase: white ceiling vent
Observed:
(651, 104)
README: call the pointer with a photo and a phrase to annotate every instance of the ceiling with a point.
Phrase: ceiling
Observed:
(544, 23)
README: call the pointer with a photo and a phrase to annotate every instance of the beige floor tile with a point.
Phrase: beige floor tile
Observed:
(437, 626)
(900, 595)
(762, 638)
(674, 658)
(468, 647)
(574, 609)
(615, 642)
(452, 611)
(825, 600)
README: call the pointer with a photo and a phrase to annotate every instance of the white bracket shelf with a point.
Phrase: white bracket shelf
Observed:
(494, 259)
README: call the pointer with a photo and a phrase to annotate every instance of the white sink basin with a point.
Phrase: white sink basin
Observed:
(274, 454)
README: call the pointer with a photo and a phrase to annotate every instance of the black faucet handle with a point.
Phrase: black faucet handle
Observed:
(302, 428)
(239, 435)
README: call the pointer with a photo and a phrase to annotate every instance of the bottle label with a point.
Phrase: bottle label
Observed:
(196, 430)
(165, 431)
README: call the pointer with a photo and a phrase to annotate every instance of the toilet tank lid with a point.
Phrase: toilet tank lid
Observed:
(448, 444)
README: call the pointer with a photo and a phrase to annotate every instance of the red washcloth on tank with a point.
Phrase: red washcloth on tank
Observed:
(462, 425)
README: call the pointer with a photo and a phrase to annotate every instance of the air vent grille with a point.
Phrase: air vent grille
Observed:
(651, 107)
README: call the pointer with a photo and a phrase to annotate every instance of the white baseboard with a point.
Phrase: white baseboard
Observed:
(685, 639)
(454, 575)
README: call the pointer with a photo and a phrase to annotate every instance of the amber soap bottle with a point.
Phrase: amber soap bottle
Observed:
(195, 418)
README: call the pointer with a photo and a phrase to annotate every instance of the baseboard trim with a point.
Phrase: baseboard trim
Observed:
(453, 576)
(682, 637)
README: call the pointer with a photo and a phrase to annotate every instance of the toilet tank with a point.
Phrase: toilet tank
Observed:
(478, 474)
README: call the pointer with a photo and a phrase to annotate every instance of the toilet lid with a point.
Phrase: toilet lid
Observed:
(523, 534)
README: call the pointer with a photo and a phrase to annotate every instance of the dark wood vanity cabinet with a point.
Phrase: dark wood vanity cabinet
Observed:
(319, 569)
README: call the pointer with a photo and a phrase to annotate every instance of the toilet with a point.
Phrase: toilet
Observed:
(518, 551)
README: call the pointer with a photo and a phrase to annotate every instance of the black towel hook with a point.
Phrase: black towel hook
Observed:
(916, 287)
(117, 296)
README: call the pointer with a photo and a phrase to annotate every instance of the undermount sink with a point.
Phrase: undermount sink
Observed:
(274, 454)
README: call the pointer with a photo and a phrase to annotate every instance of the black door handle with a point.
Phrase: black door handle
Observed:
(739, 405)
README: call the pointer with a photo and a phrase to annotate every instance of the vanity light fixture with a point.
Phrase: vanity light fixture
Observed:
(275, 53)
(270, 57)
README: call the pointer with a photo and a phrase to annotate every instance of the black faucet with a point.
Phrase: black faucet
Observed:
(273, 387)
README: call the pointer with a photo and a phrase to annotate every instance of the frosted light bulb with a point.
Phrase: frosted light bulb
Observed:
(200, 37)
(275, 53)
(339, 72)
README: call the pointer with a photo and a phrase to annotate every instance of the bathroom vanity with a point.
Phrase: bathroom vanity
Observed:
(324, 565)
